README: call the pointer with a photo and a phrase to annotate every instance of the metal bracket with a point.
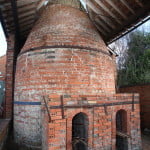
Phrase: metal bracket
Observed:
(122, 134)
(62, 106)
(105, 109)
(133, 103)
(48, 112)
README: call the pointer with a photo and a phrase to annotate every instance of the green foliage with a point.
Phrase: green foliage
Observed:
(136, 69)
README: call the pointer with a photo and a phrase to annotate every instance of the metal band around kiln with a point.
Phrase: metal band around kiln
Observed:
(63, 46)
(77, 106)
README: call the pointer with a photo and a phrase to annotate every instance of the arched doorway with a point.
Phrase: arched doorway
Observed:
(121, 130)
(80, 132)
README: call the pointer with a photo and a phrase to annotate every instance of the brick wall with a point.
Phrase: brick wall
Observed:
(9, 77)
(59, 26)
(64, 56)
(2, 67)
(2, 83)
(4, 129)
(101, 112)
(144, 91)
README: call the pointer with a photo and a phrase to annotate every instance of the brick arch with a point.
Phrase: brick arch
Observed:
(114, 129)
(71, 115)
(121, 128)
(81, 112)
(121, 120)
(80, 131)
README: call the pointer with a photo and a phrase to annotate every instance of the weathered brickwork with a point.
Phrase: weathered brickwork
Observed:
(63, 72)
(2, 67)
(144, 91)
(9, 77)
(102, 120)
(2, 83)
(4, 128)
(61, 25)
(65, 57)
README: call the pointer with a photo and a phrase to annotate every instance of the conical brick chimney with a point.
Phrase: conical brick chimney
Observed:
(63, 55)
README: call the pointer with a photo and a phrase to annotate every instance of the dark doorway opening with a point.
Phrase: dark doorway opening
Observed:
(121, 143)
(80, 132)
(121, 130)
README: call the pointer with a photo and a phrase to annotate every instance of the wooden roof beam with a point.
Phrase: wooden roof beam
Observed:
(7, 15)
(23, 14)
(10, 27)
(27, 27)
(15, 18)
(7, 8)
(10, 20)
(110, 2)
(27, 5)
(10, 31)
(26, 19)
(102, 25)
(108, 11)
(128, 6)
(132, 21)
(25, 32)
(7, 4)
(24, 24)
(24, 36)
(23, 11)
(101, 30)
(32, 12)
(139, 3)
(106, 21)
(99, 13)
(2, 2)
(3, 23)
(25, 2)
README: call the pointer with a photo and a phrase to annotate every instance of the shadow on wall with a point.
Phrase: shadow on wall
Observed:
(11, 145)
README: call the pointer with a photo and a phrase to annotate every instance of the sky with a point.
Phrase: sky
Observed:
(145, 26)
(3, 44)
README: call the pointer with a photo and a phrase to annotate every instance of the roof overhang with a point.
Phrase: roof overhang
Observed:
(112, 18)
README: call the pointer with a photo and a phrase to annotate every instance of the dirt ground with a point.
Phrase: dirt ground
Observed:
(146, 141)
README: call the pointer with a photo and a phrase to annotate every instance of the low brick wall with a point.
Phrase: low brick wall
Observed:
(101, 112)
(144, 91)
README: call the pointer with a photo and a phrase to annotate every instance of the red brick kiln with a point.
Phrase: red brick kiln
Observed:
(65, 67)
